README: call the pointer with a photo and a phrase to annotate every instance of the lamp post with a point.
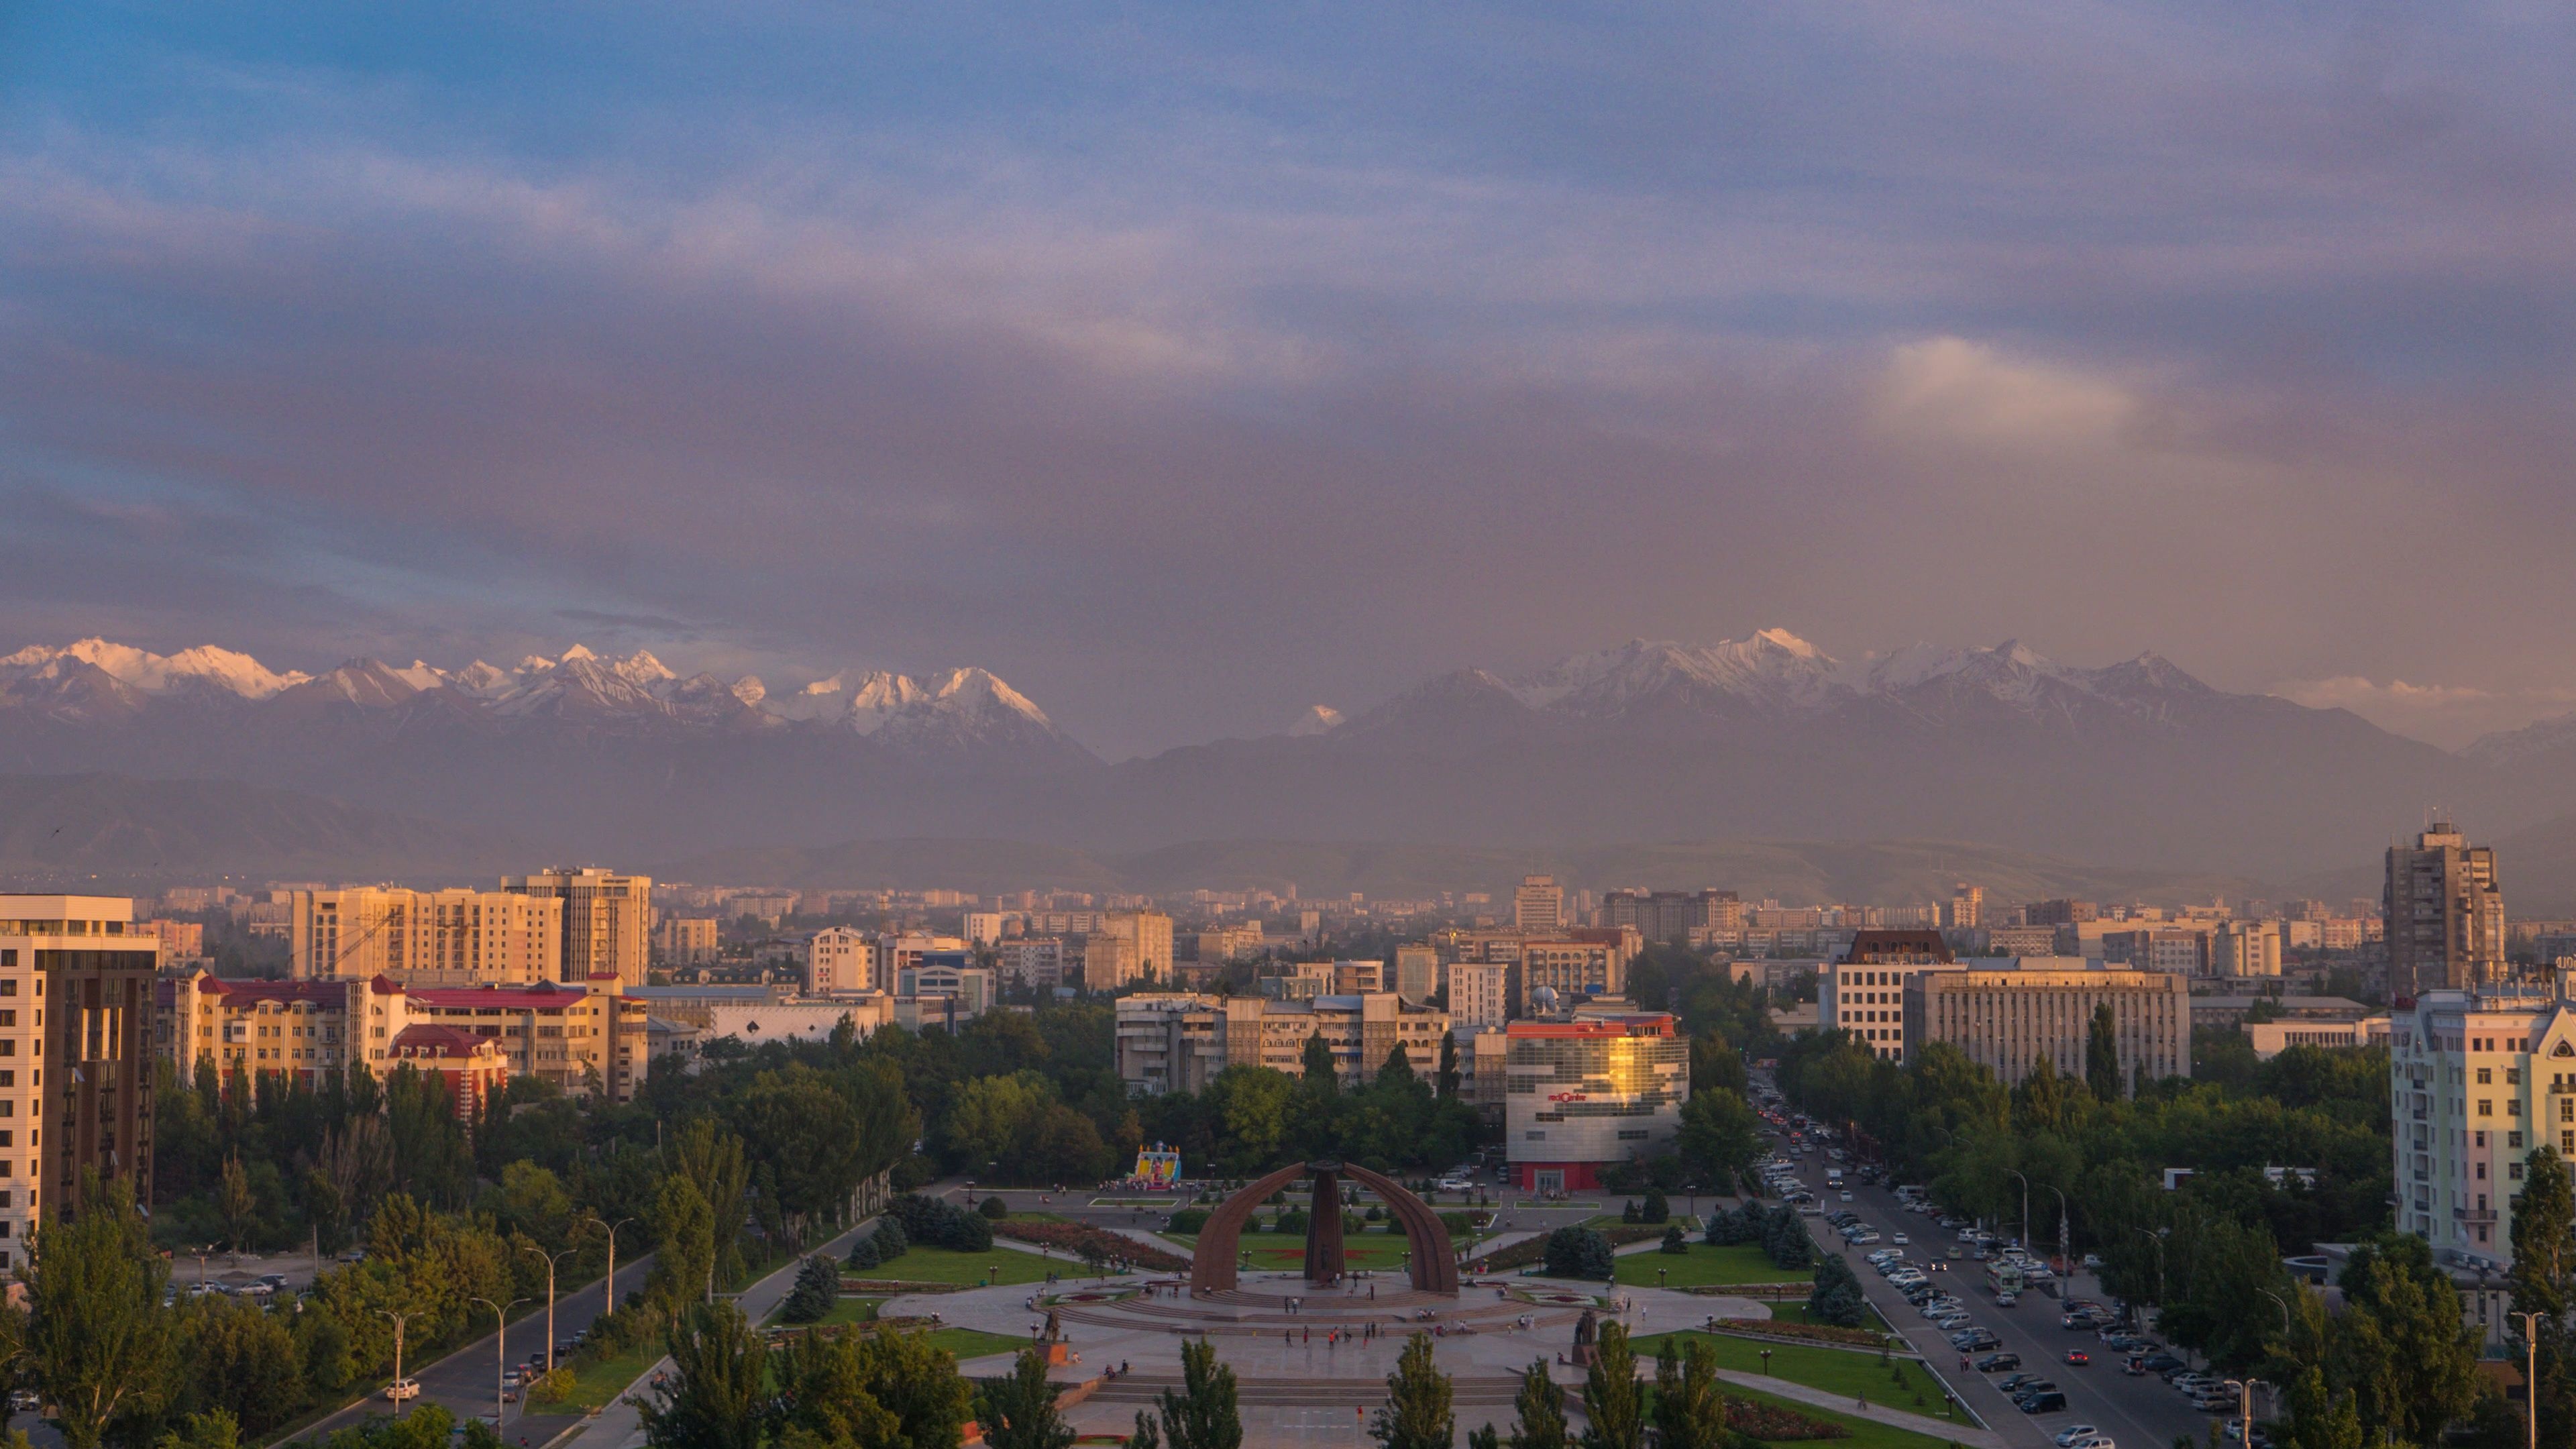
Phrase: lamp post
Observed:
(551, 1260)
(2244, 1408)
(1766, 1361)
(2157, 1237)
(611, 1229)
(2531, 1373)
(2062, 1260)
(500, 1354)
(2285, 1312)
(399, 1318)
(2025, 1207)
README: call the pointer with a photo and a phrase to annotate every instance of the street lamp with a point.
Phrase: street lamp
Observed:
(551, 1260)
(2531, 1373)
(2025, 1207)
(2157, 1237)
(2285, 1312)
(500, 1354)
(611, 1230)
(399, 1320)
(2062, 1260)
(2245, 1408)
(1766, 1361)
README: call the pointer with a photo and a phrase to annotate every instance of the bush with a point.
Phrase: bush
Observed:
(1579, 1252)
(863, 1253)
(940, 1225)
(1656, 1208)
(818, 1284)
(1089, 1243)
(995, 1209)
(1837, 1299)
(1747, 1224)
(892, 1241)
(1628, 1212)
(1188, 1220)
(1785, 1239)
(1675, 1241)
(1291, 1220)
(1376, 1214)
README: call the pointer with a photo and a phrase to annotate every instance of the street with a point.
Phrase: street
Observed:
(2139, 1413)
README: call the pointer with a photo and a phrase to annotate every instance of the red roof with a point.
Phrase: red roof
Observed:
(247, 992)
(544, 996)
(431, 1040)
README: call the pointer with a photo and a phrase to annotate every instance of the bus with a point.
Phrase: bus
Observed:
(2005, 1278)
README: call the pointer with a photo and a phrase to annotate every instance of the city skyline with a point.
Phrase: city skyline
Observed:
(1183, 369)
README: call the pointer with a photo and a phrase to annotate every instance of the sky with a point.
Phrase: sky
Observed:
(1188, 365)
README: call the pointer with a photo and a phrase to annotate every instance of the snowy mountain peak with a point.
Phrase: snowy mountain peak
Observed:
(1317, 720)
(139, 669)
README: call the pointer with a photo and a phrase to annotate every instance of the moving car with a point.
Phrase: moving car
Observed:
(2078, 1358)
(2067, 1436)
(401, 1389)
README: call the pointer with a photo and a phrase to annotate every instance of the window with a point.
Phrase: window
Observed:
(2486, 1107)
(2514, 1171)
(2513, 1139)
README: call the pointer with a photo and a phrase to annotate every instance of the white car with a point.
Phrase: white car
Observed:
(401, 1389)
(1452, 1184)
(2067, 1436)
(2094, 1441)
(1846, 1195)
(1899, 1240)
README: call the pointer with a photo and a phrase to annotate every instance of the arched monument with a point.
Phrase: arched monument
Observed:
(1433, 1265)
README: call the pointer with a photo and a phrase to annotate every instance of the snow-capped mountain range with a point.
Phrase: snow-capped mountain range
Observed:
(1767, 736)
(96, 679)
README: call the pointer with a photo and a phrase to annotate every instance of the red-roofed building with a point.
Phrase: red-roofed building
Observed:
(262, 1027)
(1584, 1093)
(571, 1036)
(472, 1065)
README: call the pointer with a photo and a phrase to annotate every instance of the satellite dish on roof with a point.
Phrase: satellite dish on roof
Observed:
(1543, 999)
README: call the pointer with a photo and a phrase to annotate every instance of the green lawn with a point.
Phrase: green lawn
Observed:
(1735, 1263)
(1837, 1371)
(844, 1310)
(1866, 1433)
(1797, 1313)
(597, 1384)
(947, 1265)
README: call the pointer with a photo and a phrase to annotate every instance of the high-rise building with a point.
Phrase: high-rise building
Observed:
(839, 960)
(685, 940)
(1864, 993)
(606, 919)
(1179, 1041)
(2445, 914)
(80, 956)
(2245, 948)
(2008, 1020)
(1480, 993)
(2482, 1080)
(424, 938)
(1967, 909)
(1148, 935)
(1539, 904)
(1571, 968)
(1667, 915)
(1417, 973)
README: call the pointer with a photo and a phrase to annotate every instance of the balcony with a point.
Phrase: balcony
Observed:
(2475, 1217)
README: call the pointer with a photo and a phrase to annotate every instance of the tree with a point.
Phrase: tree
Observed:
(1656, 1208)
(2544, 1216)
(818, 1287)
(712, 1160)
(1690, 1409)
(1202, 1415)
(1541, 1408)
(2401, 1343)
(1675, 1240)
(1398, 1068)
(1018, 1411)
(1317, 1065)
(1837, 1297)
(716, 1396)
(1716, 1064)
(214, 1429)
(1448, 1064)
(99, 1338)
(1610, 1397)
(685, 1230)
(1417, 1414)
(1575, 1251)
(1720, 1135)
(2102, 1055)
(236, 1204)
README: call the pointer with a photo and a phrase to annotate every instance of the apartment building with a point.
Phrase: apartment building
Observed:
(1146, 953)
(1670, 916)
(840, 961)
(180, 940)
(2444, 913)
(1864, 993)
(606, 925)
(1417, 973)
(1179, 1041)
(572, 1036)
(1031, 961)
(80, 957)
(1480, 994)
(295, 1029)
(1966, 910)
(2480, 1079)
(2245, 948)
(686, 940)
(430, 938)
(1572, 967)
(2007, 1020)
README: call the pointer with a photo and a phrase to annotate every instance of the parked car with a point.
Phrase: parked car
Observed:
(2072, 1432)
(1995, 1363)
(2048, 1402)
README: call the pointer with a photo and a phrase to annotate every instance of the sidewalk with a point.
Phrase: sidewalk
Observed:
(620, 1426)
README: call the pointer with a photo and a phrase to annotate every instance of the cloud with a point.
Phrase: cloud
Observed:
(2444, 714)
(1966, 390)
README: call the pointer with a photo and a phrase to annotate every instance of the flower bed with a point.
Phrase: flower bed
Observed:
(1073, 1238)
(1771, 1423)
(1810, 1332)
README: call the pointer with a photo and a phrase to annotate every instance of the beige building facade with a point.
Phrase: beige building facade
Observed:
(2008, 1020)
(429, 938)
(1179, 1041)
(607, 920)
